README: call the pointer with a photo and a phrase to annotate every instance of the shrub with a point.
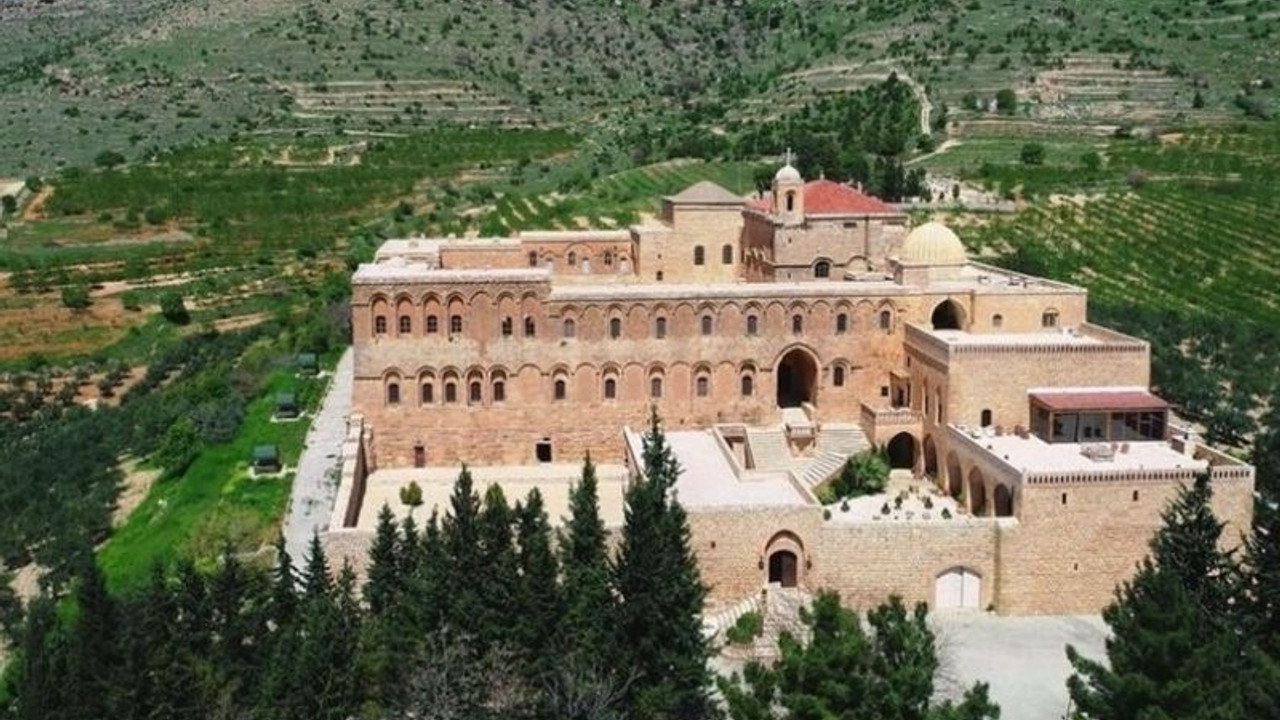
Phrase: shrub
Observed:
(411, 494)
(9, 204)
(108, 159)
(1091, 161)
(131, 300)
(1006, 102)
(1033, 154)
(748, 627)
(863, 474)
(174, 308)
(75, 297)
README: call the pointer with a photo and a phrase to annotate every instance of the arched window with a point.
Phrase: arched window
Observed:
(533, 258)
(610, 389)
(406, 325)
(886, 320)
(507, 327)
(570, 328)
(393, 394)
(797, 324)
(450, 392)
(572, 259)
(474, 392)
(559, 389)
(1049, 319)
(499, 391)
(699, 255)
(791, 202)
(433, 324)
(986, 418)
(615, 328)
(837, 376)
(380, 325)
(703, 386)
(822, 269)
(660, 328)
(455, 324)
(608, 258)
(726, 255)
(655, 387)
(530, 328)
(753, 325)
(428, 393)
(706, 324)
(748, 386)
(997, 320)
(842, 323)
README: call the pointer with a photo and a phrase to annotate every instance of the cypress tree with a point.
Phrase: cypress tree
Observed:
(539, 599)
(497, 580)
(1261, 569)
(284, 588)
(1187, 546)
(461, 536)
(659, 625)
(588, 597)
(316, 583)
(237, 628)
(384, 585)
(428, 584)
(94, 652)
(41, 682)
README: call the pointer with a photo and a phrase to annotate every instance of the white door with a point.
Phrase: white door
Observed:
(958, 588)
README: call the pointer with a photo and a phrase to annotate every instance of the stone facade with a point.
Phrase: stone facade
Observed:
(809, 312)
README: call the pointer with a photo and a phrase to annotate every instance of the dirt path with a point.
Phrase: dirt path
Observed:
(311, 499)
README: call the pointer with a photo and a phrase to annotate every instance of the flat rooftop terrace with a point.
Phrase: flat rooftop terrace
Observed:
(708, 479)
(1032, 456)
(554, 481)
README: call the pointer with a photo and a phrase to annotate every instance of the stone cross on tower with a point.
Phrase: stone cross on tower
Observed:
(790, 156)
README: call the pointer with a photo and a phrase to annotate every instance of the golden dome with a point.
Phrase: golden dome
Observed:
(932, 244)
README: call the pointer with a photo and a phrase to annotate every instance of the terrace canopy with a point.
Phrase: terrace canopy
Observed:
(1098, 416)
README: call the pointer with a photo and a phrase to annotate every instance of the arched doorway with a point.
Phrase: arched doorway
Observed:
(956, 589)
(977, 493)
(955, 476)
(797, 378)
(902, 451)
(948, 316)
(930, 457)
(784, 568)
(1004, 501)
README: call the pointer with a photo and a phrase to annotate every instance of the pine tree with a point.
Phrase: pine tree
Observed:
(588, 598)
(94, 650)
(316, 583)
(497, 578)
(659, 624)
(284, 588)
(461, 536)
(42, 679)
(1261, 569)
(384, 586)
(539, 599)
(1187, 546)
(237, 624)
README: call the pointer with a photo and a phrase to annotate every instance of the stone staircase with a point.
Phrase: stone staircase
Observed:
(840, 438)
(769, 450)
(717, 624)
(821, 467)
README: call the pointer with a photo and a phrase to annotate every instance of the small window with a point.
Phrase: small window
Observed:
(1049, 319)
(615, 328)
(428, 393)
(699, 255)
(455, 324)
(433, 324)
(797, 324)
(380, 325)
(507, 327)
(703, 387)
(842, 324)
(499, 391)
(822, 269)
(884, 391)
(886, 320)
(474, 392)
(706, 324)
(530, 328)
(572, 259)
(748, 386)
(837, 376)
(726, 255)
(660, 328)
(1064, 498)
(608, 258)
(560, 390)
(406, 325)
(753, 325)
(610, 389)
(658, 276)
(986, 418)
(997, 320)
(542, 451)
(450, 393)
(393, 394)
(655, 387)
(570, 328)
(1135, 496)
(533, 259)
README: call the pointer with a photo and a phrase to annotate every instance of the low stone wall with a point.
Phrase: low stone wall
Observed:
(343, 541)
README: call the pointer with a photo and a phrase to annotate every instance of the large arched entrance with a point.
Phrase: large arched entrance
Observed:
(959, 588)
(784, 568)
(955, 476)
(797, 377)
(902, 451)
(947, 316)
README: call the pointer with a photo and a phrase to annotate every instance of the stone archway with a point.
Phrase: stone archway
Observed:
(930, 451)
(948, 315)
(902, 451)
(955, 476)
(977, 493)
(1003, 501)
(797, 378)
(784, 559)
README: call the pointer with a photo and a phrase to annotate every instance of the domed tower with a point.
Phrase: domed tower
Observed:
(930, 252)
(788, 194)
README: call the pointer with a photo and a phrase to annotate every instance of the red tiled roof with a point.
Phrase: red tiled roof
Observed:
(1073, 401)
(761, 203)
(824, 197)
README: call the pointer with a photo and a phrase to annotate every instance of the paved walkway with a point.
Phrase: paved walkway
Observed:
(315, 484)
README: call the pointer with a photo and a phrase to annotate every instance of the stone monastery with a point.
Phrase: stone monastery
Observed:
(777, 336)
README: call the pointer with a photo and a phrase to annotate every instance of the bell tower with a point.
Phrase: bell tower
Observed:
(788, 193)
